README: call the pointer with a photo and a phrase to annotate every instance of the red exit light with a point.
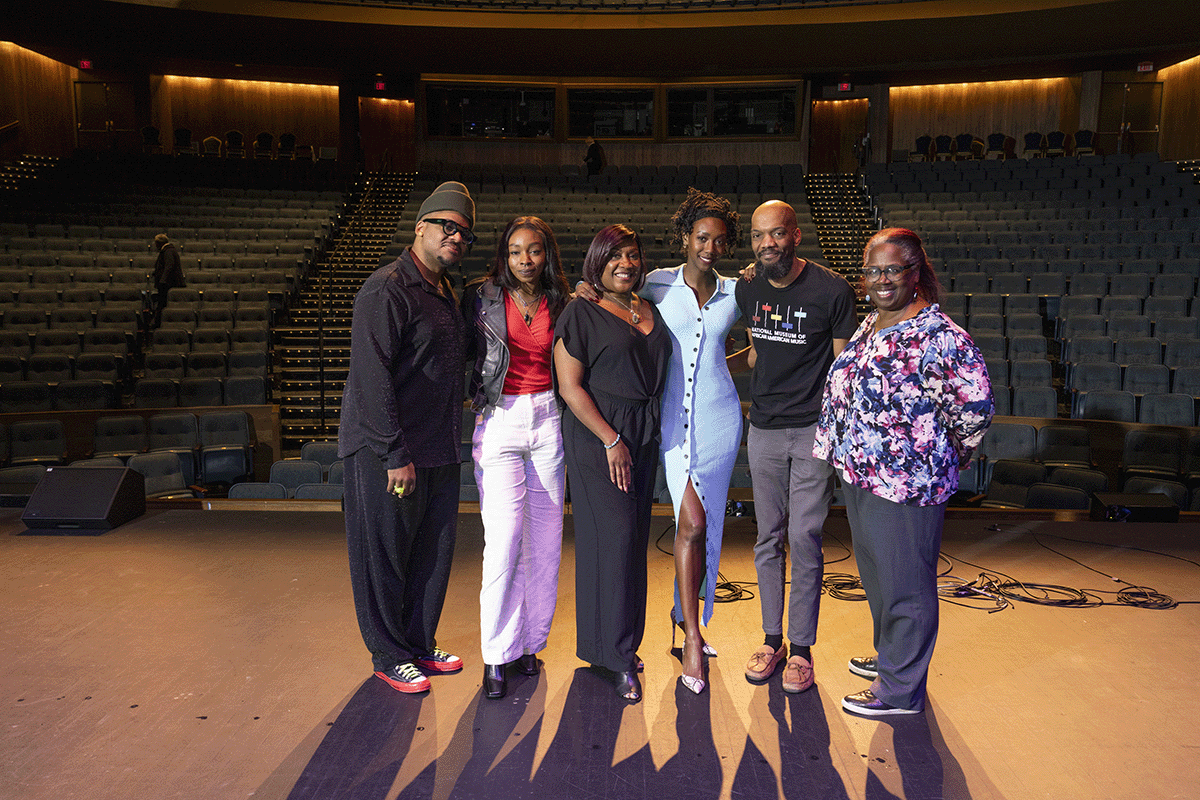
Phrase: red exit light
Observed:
(844, 87)
(85, 64)
(380, 86)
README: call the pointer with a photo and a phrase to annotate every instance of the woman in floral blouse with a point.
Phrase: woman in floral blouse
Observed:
(906, 403)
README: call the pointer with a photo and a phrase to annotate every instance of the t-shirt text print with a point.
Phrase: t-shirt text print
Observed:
(779, 323)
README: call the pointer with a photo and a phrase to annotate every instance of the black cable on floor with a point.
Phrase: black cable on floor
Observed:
(727, 591)
(992, 591)
(843, 586)
(1055, 595)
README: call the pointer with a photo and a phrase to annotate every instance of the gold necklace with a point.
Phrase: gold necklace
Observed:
(516, 295)
(634, 319)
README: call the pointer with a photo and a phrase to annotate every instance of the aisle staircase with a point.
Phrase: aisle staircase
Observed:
(25, 170)
(845, 220)
(313, 349)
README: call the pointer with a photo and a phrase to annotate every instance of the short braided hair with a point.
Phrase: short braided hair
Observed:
(700, 205)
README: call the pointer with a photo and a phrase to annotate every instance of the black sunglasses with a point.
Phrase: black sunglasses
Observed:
(450, 227)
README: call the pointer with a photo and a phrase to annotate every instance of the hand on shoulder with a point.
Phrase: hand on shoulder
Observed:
(585, 291)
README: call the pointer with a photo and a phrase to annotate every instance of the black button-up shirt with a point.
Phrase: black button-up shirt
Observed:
(404, 392)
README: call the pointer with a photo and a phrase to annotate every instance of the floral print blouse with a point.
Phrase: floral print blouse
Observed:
(905, 407)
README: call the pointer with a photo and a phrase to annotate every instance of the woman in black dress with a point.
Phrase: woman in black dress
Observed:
(610, 359)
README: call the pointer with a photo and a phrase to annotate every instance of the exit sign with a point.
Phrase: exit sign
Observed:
(1146, 66)
(844, 86)
(380, 86)
(85, 64)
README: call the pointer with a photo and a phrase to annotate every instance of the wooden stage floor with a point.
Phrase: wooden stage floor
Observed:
(214, 654)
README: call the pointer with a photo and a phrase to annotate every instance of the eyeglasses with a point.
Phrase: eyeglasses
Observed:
(873, 273)
(450, 227)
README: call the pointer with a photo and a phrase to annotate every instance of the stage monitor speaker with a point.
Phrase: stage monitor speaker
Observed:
(86, 498)
(1128, 507)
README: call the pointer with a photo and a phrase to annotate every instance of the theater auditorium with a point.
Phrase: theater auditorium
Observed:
(176, 605)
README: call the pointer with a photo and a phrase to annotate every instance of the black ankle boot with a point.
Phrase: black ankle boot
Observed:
(494, 683)
(528, 664)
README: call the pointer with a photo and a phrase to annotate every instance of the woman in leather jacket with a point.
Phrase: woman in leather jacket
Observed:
(517, 446)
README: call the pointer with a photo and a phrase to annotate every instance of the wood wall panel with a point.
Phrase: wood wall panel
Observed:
(1011, 107)
(388, 127)
(210, 107)
(622, 153)
(1181, 108)
(837, 125)
(38, 92)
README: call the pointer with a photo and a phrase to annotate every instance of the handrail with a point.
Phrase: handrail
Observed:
(16, 123)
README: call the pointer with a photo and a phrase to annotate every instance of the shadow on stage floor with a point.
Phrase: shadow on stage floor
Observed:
(493, 749)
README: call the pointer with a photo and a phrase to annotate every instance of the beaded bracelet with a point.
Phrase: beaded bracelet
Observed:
(614, 443)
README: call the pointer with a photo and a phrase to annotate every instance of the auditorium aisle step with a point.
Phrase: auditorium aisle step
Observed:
(314, 347)
(842, 212)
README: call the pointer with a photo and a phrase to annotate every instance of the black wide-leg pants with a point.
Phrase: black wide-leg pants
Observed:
(400, 555)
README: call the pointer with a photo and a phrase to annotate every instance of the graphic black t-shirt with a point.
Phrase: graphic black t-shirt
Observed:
(793, 331)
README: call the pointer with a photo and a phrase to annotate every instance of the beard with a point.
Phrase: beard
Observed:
(778, 270)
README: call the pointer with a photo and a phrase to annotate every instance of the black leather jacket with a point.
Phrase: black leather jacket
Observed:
(484, 310)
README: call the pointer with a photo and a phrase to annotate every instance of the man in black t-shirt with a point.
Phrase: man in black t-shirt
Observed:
(799, 315)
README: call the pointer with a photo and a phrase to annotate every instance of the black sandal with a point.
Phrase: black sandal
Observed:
(629, 688)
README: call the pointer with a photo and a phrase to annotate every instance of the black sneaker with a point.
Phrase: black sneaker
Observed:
(866, 666)
(405, 678)
(439, 661)
(867, 704)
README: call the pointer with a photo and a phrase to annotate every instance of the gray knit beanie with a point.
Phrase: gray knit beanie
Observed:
(450, 196)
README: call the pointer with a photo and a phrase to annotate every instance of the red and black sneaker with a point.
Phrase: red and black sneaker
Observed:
(439, 661)
(405, 678)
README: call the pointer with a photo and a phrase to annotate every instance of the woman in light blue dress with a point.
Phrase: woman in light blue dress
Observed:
(701, 414)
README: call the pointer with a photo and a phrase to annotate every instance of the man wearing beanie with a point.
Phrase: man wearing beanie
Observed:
(399, 440)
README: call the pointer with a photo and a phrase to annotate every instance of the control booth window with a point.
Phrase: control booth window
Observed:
(489, 112)
(611, 113)
(687, 112)
(754, 112)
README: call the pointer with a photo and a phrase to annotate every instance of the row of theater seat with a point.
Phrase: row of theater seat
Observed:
(315, 475)
(116, 368)
(615, 179)
(212, 447)
(49, 268)
(24, 397)
(1179, 284)
(1014, 457)
(265, 240)
(251, 334)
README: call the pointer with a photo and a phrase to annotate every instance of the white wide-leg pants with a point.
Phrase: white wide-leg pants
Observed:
(518, 452)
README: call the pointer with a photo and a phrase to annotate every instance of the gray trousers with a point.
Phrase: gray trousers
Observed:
(896, 547)
(792, 492)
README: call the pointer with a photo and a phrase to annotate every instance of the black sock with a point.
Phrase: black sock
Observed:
(804, 652)
(775, 640)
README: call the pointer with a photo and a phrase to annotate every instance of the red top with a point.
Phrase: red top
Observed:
(528, 348)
